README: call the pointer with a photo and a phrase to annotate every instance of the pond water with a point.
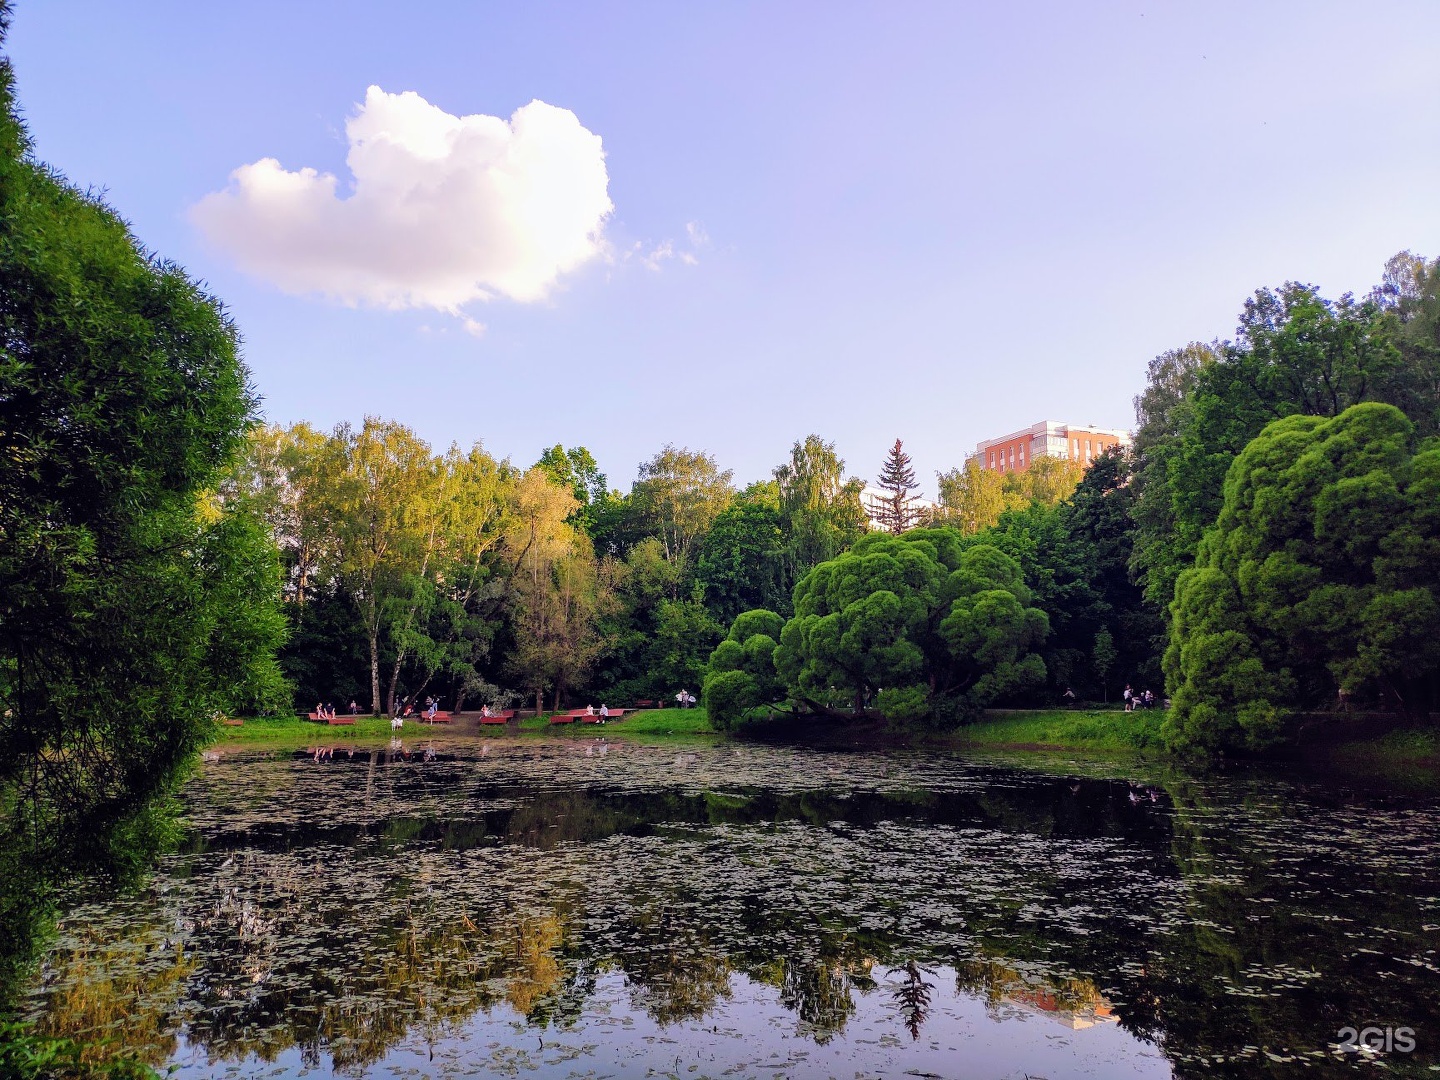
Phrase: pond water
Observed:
(572, 908)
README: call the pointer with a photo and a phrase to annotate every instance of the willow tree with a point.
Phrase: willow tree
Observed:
(819, 506)
(135, 605)
(1320, 579)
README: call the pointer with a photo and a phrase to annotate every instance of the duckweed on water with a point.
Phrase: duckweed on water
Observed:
(592, 908)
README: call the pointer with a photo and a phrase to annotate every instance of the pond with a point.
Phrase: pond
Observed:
(612, 908)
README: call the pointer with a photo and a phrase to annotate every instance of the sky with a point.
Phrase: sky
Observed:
(726, 226)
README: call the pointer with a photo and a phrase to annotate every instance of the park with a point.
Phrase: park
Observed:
(407, 740)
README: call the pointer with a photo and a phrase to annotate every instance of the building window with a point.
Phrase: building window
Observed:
(1087, 449)
(992, 459)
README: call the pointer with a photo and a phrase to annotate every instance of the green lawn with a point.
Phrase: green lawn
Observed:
(645, 722)
(293, 731)
(1108, 731)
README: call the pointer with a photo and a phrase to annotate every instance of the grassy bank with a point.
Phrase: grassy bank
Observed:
(293, 731)
(645, 722)
(1106, 732)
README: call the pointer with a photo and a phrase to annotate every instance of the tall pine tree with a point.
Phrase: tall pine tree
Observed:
(896, 511)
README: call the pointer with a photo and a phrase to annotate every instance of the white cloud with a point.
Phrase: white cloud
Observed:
(445, 210)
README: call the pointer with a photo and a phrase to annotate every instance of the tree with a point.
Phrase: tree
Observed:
(741, 675)
(678, 496)
(820, 509)
(972, 497)
(1322, 574)
(136, 604)
(578, 470)
(896, 511)
(1104, 655)
(384, 499)
(941, 629)
(742, 558)
(557, 591)
(1296, 353)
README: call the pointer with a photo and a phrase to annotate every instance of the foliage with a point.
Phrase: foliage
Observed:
(896, 512)
(742, 562)
(557, 590)
(26, 1055)
(943, 629)
(678, 496)
(741, 673)
(819, 507)
(1296, 353)
(972, 498)
(136, 605)
(1321, 575)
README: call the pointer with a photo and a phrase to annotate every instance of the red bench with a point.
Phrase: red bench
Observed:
(567, 718)
(498, 718)
(332, 720)
(440, 717)
(596, 718)
(644, 703)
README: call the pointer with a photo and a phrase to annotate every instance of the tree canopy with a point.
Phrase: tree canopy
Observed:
(1319, 577)
(919, 625)
(137, 604)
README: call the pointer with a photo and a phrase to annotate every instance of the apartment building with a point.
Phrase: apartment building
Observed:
(1049, 438)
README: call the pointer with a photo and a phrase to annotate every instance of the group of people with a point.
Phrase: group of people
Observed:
(1138, 699)
(684, 699)
(327, 712)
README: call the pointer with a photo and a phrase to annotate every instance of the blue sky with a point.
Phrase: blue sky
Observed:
(934, 222)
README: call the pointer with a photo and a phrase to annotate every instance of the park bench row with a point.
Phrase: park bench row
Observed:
(585, 716)
(441, 717)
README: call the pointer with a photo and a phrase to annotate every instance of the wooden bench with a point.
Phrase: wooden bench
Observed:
(596, 718)
(645, 703)
(498, 718)
(440, 717)
(565, 718)
(231, 722)
(334, 721)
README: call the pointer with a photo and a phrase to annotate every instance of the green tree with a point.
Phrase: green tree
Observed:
(1296, 353)
(557, 591)
(1104, 654)
(895, 512)
(678, 496)
(942, 629)
(1321, 575)
(578, 470)
(820, 509)
(741, 675)
(972, 497)
(136, 604)
(742, 558)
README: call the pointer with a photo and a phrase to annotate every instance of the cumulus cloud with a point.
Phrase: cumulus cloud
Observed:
(444, 210)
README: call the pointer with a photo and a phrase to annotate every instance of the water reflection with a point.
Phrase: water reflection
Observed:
(637, 907)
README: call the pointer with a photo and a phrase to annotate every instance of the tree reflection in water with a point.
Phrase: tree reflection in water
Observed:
(358, 906)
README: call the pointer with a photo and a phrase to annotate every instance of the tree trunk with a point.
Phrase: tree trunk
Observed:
(375, 672)
(539, 702)
(395, 681)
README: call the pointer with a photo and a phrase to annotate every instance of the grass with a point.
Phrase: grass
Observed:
(1107, 731)
(294, 731)
(644, 722)
(1407, 754)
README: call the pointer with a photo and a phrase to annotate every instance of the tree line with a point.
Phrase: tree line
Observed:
(1269, 547)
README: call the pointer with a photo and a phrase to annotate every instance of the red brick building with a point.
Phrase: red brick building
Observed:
(1049, 438)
